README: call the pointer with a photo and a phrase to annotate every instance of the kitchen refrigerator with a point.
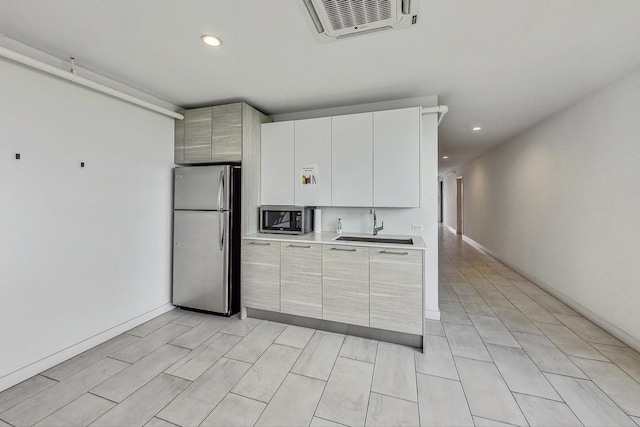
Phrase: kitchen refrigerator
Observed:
(206, 238)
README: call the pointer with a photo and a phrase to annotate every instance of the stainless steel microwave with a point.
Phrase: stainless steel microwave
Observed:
(286, 219)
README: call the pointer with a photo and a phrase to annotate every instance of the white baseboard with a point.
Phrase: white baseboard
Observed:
(604, 324)
(432, 314)
(52, 360)
(451, 229)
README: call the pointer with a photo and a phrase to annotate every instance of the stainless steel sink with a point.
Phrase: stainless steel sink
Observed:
(407, 241)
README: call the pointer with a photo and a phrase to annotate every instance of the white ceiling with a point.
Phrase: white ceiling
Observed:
(501, 64)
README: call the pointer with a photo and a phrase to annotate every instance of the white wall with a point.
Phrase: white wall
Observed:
(85, 252)
(560, 204)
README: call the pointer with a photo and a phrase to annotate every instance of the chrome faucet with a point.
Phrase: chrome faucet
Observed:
(375, 221)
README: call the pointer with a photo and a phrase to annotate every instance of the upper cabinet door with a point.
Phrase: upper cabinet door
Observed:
(226, 134)
(352, 160)
(396, 154)
(197, 135)
(277, 162)
(313, 162)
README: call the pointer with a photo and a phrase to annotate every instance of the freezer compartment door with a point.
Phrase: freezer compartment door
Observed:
(200, 260)
(202, 188)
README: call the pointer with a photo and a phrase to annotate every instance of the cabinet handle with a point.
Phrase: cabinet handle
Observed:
(260, 244)
(301, 247)
(343, 250)
(393, 253)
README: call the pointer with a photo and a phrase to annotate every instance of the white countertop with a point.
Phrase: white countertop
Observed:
(329, 238)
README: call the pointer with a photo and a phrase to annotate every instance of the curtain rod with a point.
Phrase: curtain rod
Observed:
(73, 77)
(440, 109)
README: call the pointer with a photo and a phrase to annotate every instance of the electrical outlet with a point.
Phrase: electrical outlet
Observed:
(417, 227)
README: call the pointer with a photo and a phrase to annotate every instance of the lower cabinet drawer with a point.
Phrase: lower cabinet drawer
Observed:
(357, 285)
(261, 274)
(301, 279)
(345, 284)
(396, 290)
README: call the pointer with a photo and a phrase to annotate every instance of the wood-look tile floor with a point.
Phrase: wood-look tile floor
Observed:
(505, 353)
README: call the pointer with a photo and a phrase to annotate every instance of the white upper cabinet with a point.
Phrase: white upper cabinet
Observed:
(396, 158)
(352, 160)
(277, 164)
(313, 162)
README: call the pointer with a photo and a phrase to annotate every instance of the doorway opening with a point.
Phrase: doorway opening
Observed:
(459, 206)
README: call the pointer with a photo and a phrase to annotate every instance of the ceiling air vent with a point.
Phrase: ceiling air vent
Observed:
(338, 19)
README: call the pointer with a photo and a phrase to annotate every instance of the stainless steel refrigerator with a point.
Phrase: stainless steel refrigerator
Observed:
(206, 238)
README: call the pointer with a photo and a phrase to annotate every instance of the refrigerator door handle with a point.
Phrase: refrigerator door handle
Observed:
(222, 227)
(221, 191)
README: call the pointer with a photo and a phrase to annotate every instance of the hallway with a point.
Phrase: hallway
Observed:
(519, 351)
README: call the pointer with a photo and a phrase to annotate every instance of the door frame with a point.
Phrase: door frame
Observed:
(459, 205)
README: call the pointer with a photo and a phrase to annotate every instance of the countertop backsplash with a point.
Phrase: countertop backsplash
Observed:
(360, 220)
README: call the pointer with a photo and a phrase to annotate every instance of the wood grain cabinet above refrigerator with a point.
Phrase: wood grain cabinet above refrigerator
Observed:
(212, 134)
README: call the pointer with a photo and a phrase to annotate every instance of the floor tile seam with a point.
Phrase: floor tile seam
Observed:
(440, 376)
(552, 343)
(324, 388)
(168, 403)
(184, 315)
(568, 405)
(139, 336)
(485, 342)
(608, 395)
(396, 397)
(357, 360)
(540, 397)
(584, 338)
(247, 397)
(452, 358)
(602, 361)
(464, 392)
(178, 376)
(238, 335)
(307, 376)
(331, 421)
(498, 421)
(471, 358)
(185, 390)
(42, 374)
(279, 385)
(8, 423)
(180, 346)
(373, 375)
(261, 354)
(69, 403)
(586, 342)
(289, 346)
(102, 397)
(505, 383)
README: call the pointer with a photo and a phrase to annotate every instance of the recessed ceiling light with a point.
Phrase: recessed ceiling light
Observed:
(477, 128)
(445, 157)
(211, 40)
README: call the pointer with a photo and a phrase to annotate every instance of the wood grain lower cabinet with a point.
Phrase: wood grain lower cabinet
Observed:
(396, 290)
(261, 275)
(345, 284)
(301, 279)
